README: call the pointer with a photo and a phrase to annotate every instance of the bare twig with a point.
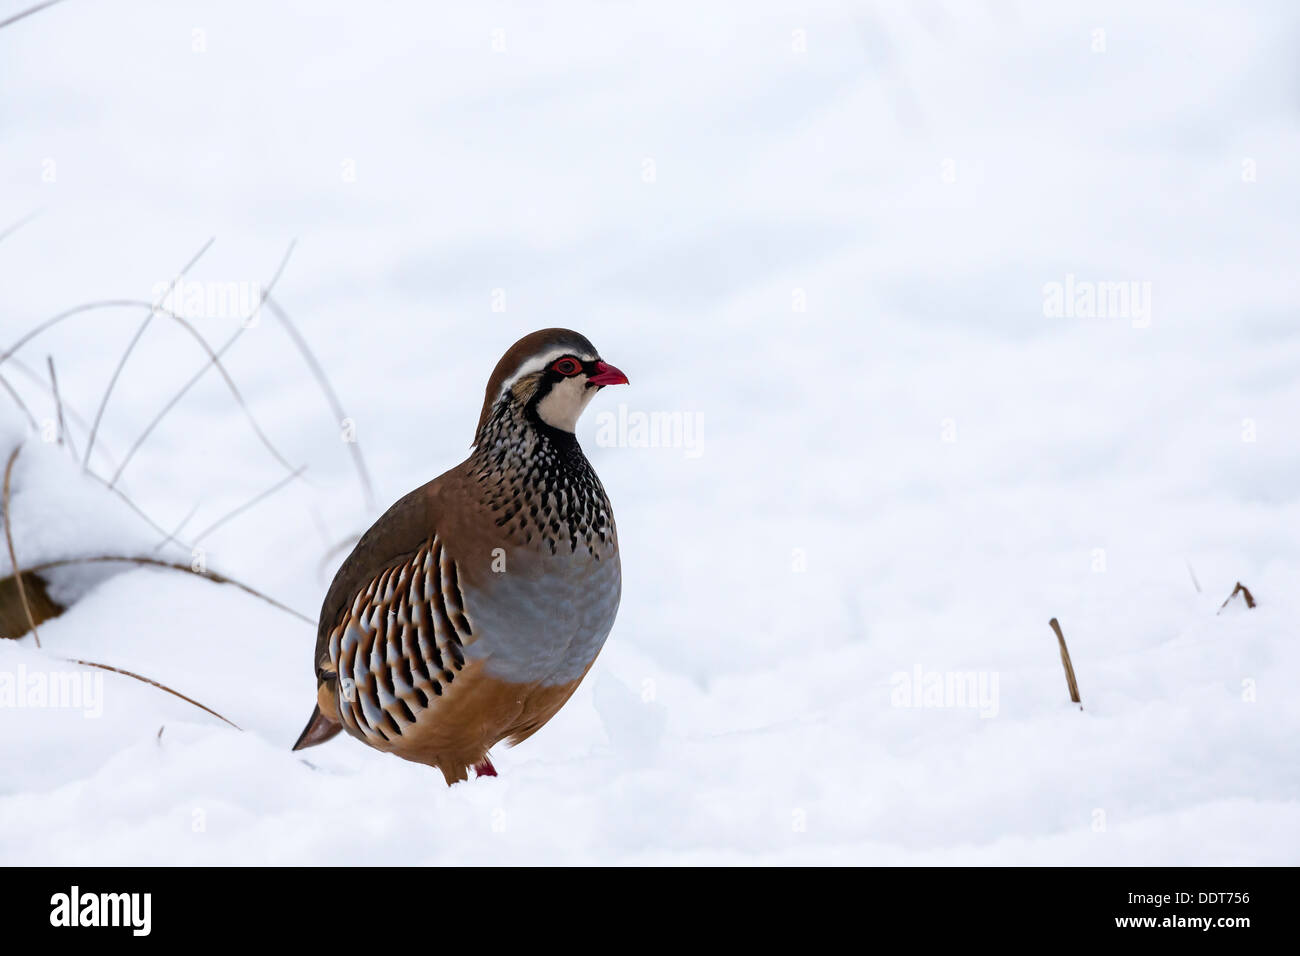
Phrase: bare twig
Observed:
(354, 447)
(154, 683)
(11, 229)
(67, 314)
(1245, 593)
(212, 576)
(13, 557)
(133, 506)
(69, 409)
(177, 530)
(28, 12)
(214, 360)
(247, 504)
(332, 548)
(1195, 583)
(341, 547)
(64, 434)
(319, 522)
(139, 332)
(4, 382)
(1065, 661)
(117, 491)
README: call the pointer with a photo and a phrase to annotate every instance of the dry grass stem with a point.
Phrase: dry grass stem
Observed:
(69, 409)
(140, 513)
(261, 496)
(212, 576)
(177, 530)
(11, 229)
(1065, 662)
(154, 683)
(354, 447)
(139, 333)
(22, 14)
(64, 436)
(214, 360)
(4, 382)
(13, 557)
(1244, 592)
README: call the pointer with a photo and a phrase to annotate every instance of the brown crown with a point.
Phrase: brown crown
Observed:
(534, 343)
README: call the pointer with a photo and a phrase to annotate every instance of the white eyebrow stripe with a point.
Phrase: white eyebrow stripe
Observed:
(539, 362)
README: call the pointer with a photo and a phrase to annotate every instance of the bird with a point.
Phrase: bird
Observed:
(470, 612)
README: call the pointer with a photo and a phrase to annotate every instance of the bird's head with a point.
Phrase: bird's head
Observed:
(550, 376)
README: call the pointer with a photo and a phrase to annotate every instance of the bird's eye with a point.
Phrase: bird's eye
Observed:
(567, 366)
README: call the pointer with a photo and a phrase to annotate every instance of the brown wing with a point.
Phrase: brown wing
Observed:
(392, 540)
(399, 646)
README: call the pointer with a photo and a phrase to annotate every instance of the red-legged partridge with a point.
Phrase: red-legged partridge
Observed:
(470, 612)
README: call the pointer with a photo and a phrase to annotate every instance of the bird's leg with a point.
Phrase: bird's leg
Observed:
(484, 768)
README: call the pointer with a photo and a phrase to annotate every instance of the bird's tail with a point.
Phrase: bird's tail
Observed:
(318, 730)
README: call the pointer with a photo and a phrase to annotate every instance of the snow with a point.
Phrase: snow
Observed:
(911, 474)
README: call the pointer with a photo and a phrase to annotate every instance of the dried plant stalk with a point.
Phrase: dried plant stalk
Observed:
(22, 406)
(135, 340)
(354, 447)
(13, 557)
(65, 437)
(1244, 592)
(11, 229)
(178, 529)
(255, 500)
(212, 576)
(69, 410)
(154, 683)
(1065, 662)
(214, 358)
(22, 14)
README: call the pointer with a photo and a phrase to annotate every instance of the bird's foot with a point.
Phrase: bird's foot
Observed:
(484, 768)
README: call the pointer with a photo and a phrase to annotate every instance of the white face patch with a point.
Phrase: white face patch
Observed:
(562, 405)
(538, 362)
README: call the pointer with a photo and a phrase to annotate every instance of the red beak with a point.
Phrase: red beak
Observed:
(606, 374)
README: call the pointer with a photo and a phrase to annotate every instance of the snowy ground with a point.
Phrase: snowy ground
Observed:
(826, 234)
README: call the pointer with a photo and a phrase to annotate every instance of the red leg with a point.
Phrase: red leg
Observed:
(484, 768)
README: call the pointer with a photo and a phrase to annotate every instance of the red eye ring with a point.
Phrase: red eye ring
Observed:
(567, 366)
